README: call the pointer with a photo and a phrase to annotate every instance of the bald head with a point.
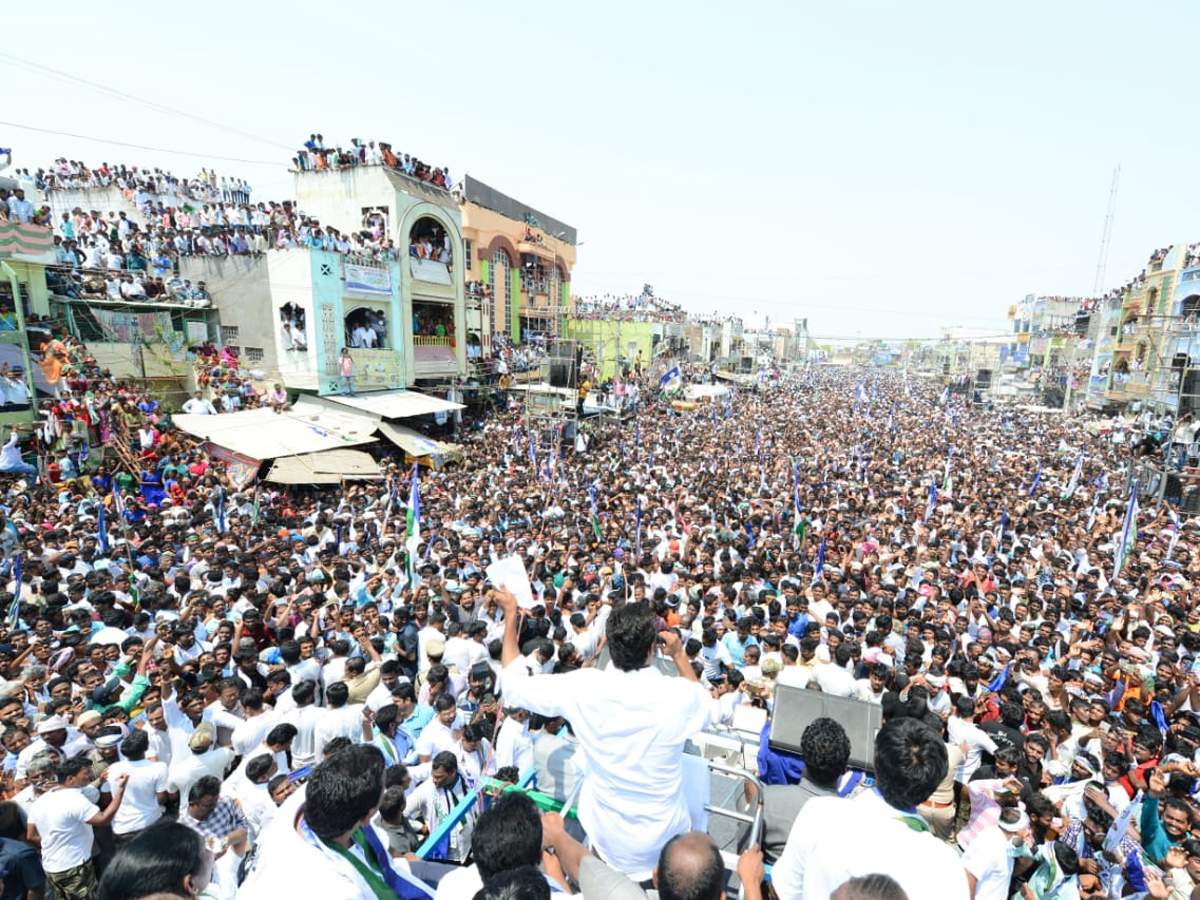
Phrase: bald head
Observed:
(690, 868)
(870, 887)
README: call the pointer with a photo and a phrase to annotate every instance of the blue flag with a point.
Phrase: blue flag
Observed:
(102, 525)
(1160, 718)
(221, 510)
(1001, 679)
(820, 567)
(637, 551)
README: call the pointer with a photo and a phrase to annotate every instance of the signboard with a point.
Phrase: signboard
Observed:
(1096, 390)
(241, 469)
(377, 370)
(368, 279)
(331, 345)
(428, 270)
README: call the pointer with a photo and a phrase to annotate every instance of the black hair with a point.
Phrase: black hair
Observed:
(523, 883)
(134, 746)
(281, 734)
(258, 766)
(910, 762)
(343, 790)
(825, 748)
(205, 786)
(304, 692)
(155, 862)
(630, 632)
(507, 835)
(336, 694)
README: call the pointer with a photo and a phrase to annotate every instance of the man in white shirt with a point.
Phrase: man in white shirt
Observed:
(202, 759)
(961, 729)
(321, 842)
(61, 823)
(442, 731)
(834, 678)
(145, 788)
(632, 724)
(988, 862)
(826, 846)
(199, 406)
(305, 717)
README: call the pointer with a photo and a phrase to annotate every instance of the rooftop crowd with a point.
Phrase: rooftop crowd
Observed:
(314, 156)
(290, 689)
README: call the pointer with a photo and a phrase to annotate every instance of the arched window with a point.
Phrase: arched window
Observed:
(501, 292)
(430, 251)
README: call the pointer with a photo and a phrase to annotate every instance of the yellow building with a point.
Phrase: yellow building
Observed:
(1141, 362)
(517, 265)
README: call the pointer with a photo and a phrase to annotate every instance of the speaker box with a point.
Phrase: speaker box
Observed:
(796, 707)
(560, 374)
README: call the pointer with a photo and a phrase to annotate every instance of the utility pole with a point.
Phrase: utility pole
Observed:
(1105, 239)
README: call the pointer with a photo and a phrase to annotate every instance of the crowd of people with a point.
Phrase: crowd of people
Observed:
(294, 688)
(316, 157)
(140, 184)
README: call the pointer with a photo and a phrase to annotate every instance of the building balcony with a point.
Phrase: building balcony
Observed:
(536, 248)
(433, 355)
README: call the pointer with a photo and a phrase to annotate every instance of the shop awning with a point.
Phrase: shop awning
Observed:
(265, 434)
(326, 467)
(394, 404)
(419, 447)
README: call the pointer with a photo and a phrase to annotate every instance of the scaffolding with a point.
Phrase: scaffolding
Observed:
(1158, 363)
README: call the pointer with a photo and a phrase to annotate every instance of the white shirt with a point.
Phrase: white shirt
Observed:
(631, 728)
(291, 864)
(252, 732)
(835, 681)
(198, 406)
(436, 737)
(140, 808)
(826, 848)
(343, 722)
(304, 747)
(514, 746)
(988, 860)
(189, 769)
(977, 740)
(61, 818)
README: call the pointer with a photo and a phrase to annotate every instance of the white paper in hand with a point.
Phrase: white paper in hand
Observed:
(510, 573)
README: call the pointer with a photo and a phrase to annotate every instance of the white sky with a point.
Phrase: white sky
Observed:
(883, 169)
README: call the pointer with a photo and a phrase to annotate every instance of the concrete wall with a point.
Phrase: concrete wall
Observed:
(241, 292)
(103, 200)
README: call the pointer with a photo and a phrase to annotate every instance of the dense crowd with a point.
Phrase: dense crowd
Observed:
(293, 688)
(141, 185)
(316, 157)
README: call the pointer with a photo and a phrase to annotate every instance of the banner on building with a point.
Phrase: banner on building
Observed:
(368, 279)
(241, 469)
(429, 270)
(132, 327)
(377, 370)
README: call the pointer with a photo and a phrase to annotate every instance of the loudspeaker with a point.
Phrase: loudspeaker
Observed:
(796, 707)
(1189, 402)
(560, 373)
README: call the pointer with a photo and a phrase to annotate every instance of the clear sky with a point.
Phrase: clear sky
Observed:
(882, 169)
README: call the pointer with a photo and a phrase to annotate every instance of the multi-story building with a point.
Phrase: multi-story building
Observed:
(419, 298)
(24, 249)
(518, 262)
(1141, 361)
